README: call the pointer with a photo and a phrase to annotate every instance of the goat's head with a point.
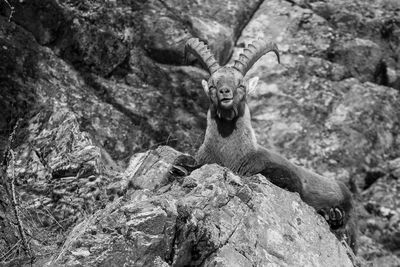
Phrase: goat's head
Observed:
(226, 88)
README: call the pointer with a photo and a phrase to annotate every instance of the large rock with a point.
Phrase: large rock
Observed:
(335, 30)
(209, 218)
(118, 116)
(219, 23)
(360, 56)
(375, 24)
(91, 36)
(44, 19)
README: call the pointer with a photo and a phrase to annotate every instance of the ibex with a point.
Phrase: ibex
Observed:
(230, 140)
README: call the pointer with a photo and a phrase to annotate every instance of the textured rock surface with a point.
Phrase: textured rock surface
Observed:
(59, 171)
(118, 116)
(211, 217)
(317, 109)
(86, 79)
(383, 202)
(220, 23)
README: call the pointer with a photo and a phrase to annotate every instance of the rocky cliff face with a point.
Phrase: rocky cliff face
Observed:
(92, 83)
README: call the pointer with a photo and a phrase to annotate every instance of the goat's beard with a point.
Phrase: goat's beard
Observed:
(227, 114)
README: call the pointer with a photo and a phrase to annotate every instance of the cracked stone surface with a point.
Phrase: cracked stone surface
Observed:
(59, 171)
(108, 75)
(210, 218)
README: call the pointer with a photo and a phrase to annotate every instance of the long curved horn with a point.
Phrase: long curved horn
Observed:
(201, 51)
(252, 53)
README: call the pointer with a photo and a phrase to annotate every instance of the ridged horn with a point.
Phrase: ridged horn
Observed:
(201, 52)
(252, 53)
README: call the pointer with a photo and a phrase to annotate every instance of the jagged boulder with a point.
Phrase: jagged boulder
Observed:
(209, 218)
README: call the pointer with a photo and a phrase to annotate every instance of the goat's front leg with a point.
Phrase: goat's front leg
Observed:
(184, 165)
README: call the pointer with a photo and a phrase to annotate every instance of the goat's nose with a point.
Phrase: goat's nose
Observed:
(225, 90)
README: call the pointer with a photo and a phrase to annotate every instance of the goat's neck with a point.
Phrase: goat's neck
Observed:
(228, 149)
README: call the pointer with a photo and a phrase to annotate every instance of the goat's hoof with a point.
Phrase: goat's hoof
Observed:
(177, 170)
(334, 217)
(183, 165)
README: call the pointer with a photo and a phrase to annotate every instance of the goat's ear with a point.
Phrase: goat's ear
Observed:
(204, 83)
(251, 85)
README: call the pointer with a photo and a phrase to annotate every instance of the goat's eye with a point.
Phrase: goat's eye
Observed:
(212, 88)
